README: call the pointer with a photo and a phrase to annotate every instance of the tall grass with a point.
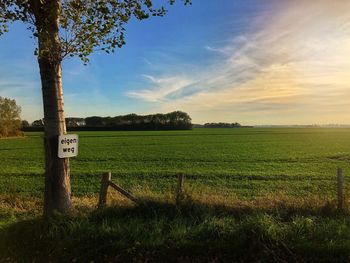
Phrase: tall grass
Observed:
(200, 228)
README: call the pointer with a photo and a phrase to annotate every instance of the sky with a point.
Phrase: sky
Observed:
(247, 61)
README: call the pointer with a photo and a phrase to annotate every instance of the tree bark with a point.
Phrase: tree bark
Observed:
(57, 195)
(57, 179)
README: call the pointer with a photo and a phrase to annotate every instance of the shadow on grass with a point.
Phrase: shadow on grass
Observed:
(188, 232)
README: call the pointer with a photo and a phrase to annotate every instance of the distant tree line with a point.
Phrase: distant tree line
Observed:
(176, 120)
(222, 125)
(10, 121)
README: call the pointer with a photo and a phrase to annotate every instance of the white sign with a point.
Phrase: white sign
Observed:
(67, 145)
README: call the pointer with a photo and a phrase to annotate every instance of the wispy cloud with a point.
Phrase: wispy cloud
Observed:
(285, 70)
(163, 88)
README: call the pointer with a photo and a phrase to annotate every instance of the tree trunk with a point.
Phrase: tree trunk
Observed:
(57, 180)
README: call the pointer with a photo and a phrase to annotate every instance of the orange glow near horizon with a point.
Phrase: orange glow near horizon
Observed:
(295, 66)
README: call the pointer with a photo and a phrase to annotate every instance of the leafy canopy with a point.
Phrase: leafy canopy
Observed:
(10, 122)
(84, 25)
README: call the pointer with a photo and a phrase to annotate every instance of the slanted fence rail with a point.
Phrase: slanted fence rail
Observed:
(106, 181)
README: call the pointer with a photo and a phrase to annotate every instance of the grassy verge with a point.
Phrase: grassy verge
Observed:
(201, 228)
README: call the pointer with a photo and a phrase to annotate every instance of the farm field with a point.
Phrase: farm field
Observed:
(245, 162)
(251, 194)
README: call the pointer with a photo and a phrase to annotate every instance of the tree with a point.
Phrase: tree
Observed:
(75, 122)
(10, 121)
(25, 124)
(94, 121)
(173, 120)
(69, 28)
(38, 123)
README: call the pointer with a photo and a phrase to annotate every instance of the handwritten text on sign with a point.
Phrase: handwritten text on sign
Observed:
(67, 145)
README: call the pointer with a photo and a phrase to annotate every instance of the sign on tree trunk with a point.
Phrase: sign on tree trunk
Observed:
(67, 145)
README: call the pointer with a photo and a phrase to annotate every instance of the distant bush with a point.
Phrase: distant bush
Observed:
(10, 121)
(38, 123)
(25, 123)
(222, 125)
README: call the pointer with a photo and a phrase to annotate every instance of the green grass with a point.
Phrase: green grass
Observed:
(248, 162)
(190, 232)
(252, 195)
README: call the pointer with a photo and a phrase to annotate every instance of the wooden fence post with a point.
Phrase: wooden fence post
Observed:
(340, 188)
(106, 177)
(179, 191)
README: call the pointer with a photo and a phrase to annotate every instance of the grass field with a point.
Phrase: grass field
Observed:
(247, 162)
(268, 190)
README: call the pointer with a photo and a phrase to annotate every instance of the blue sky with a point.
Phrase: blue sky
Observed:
(251, 61)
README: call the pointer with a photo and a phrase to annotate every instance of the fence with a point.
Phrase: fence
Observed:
(106, 181)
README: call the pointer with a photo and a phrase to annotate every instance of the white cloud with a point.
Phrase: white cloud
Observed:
(291, 65)
(162, 88)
